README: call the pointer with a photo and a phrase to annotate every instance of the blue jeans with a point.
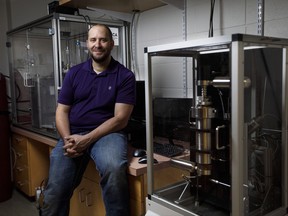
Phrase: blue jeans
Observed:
(110, 156)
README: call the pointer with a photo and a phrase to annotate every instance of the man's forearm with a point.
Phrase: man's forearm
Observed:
(111, 125)
(63, 129)
(62, 124)
(116, 123)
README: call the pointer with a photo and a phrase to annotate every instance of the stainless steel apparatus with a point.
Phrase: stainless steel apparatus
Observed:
(237, 128)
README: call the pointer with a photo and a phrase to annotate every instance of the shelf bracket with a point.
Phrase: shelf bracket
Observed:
(180, 4)
(119, 15)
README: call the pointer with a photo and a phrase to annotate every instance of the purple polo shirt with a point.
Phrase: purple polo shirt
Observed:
(92, 97)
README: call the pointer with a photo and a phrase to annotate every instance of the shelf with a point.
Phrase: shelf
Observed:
(114, 5)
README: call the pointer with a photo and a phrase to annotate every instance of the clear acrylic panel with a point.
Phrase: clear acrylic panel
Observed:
(263, 117)
(33, 71)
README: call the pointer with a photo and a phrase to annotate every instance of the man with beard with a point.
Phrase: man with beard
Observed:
(94, 106)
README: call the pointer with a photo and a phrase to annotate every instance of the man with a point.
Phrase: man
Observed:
(94, 105)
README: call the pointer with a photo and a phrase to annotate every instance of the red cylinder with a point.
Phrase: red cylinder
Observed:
(5, 164)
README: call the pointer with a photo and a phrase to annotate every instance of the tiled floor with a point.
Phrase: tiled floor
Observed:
(18, 205)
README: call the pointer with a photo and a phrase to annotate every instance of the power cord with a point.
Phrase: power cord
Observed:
(211, 19)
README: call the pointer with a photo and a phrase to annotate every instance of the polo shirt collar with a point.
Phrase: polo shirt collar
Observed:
(111, 68)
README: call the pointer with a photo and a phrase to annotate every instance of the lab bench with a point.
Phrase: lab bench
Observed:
(31, 165)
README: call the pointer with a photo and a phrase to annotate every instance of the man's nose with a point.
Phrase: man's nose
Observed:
(97, 43)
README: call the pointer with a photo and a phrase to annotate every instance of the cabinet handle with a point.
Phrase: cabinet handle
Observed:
(89, 200)
(20, 184)
(19, 169)
(18, 139)
(19, 155)
(81, 195)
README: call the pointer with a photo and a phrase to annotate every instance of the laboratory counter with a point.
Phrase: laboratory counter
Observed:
(31, 165)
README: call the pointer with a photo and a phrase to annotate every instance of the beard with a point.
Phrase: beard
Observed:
(100, 58)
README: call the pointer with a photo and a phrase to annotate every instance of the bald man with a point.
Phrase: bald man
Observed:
(94, 106)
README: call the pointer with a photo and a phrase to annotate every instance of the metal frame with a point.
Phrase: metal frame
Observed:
(236, 43)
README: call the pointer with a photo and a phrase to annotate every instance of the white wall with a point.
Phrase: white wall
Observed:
(164, 25)
(26, 11)
(14, 13)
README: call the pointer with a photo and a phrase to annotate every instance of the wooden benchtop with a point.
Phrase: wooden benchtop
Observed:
(137, 169)
(37, 137)
(134, 167)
